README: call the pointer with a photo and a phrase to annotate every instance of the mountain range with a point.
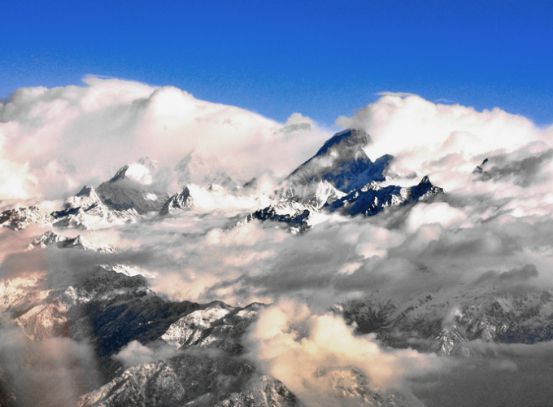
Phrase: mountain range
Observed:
(194, 353)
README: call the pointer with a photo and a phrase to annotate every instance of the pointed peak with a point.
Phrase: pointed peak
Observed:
(479, 169)
(140, 172)
(182, 200)
(120, 174)
(343, 162)
(87, 190)
(384, 158)
(425, 180)
(346, 139)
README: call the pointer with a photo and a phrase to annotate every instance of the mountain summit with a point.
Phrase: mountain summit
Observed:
(133, 187)
(342, 162)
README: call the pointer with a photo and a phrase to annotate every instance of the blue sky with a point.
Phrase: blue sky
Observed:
(321, 58)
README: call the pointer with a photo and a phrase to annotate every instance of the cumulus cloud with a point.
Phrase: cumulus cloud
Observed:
(315, 355)
(431, 213)
(521, 170)
(135, 353)
(87, 132)
(53, 372)
(445, 141)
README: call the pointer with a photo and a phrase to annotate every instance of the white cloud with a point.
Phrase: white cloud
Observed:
(443, 141)
(437, 212)
(56, 139)
(51, 372)
(134, 353)
(305, 351)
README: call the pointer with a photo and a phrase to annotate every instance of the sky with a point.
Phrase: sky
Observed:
(320, 58)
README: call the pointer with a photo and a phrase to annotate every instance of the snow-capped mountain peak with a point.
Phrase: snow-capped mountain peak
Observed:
(343, 162)
(132, 187)
(347, 142)
(182, 200)
(136, 172)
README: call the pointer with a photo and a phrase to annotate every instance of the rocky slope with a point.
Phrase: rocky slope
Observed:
(446, 322)
(342, 162)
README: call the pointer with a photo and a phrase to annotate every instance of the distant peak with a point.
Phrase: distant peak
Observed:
(480, 168)
(182, 200)
(343, 162)
(140, 171)
(425, 180)
(87, 190)
(120, 174)
(345, 140)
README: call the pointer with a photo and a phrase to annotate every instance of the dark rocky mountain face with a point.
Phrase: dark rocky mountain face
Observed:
(357, 181)
(372, 199)
(343, 163)
(123, 193)
(180, 201)
(297, 221)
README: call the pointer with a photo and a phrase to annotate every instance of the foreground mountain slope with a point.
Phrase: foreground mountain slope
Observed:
(194, 379)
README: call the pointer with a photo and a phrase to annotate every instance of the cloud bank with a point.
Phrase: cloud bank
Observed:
(442, 140)
(317, 355)
(53, 140)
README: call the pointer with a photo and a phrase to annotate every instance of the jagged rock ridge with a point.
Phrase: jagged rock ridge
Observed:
(180, 201)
